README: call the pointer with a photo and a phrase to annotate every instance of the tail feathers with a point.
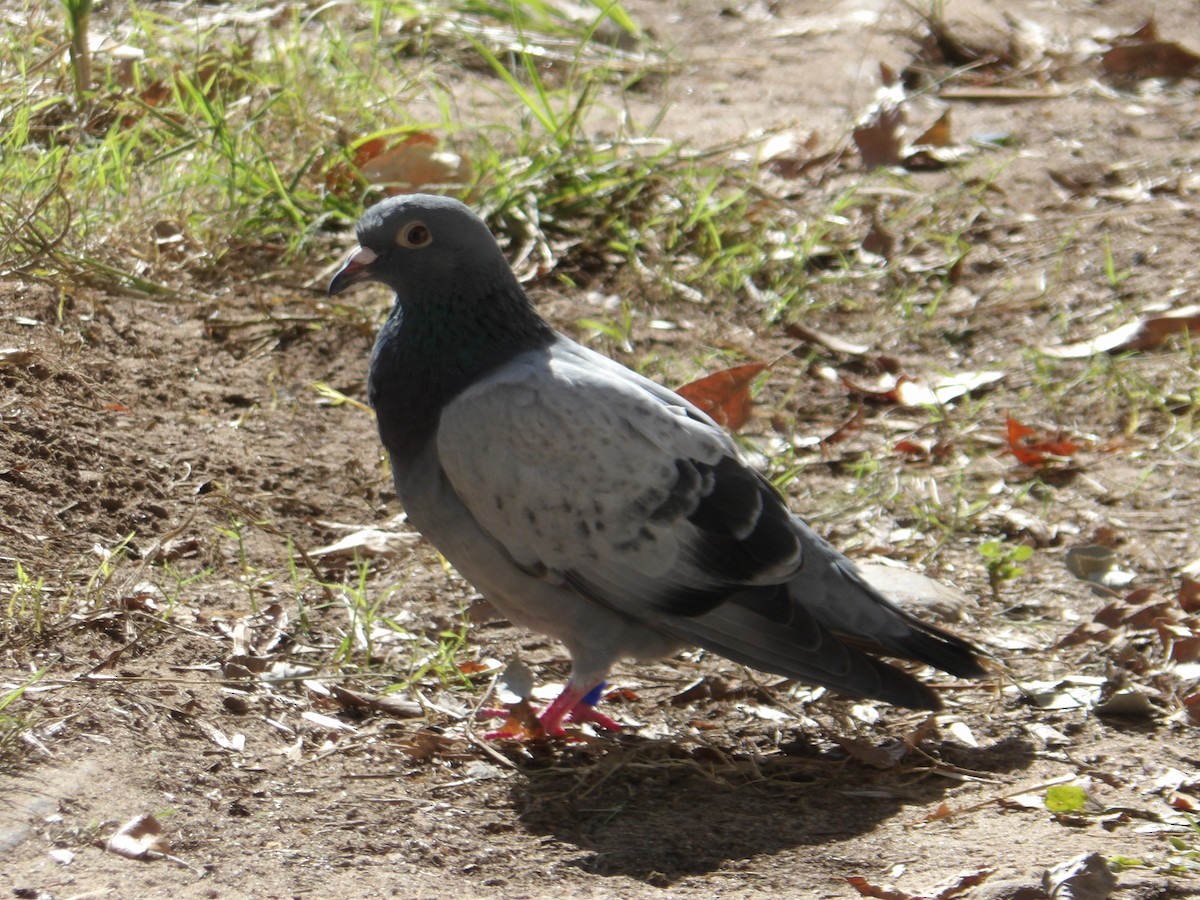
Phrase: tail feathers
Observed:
(800, 648)
(924, 643)
(823, 627)
(836, 594)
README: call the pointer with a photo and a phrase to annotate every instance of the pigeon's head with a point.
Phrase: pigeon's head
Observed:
(422, 245)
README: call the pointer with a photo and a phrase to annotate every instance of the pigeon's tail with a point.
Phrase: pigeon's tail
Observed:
(837, 596)
(823, 627)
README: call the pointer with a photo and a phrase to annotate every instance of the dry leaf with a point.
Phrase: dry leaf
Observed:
(1097, 564)
(388, 704)
(867, 889)
(951, 387)
(877, 757)
(937, 134)
(943, 811)
(1150, 59)
(878, 138)
(892, 388)
(368, 542)
(1085, 877)
(1033, 449)
(415, 163)
(515, 683)
(725, 395)
(522, 725)
(328, 723)
(789, 157)
(824, 339)
(421, 746)
(137, 837)
(1144, 335)
(1189, 594)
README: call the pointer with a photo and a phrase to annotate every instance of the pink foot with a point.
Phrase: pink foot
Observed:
(572, 705)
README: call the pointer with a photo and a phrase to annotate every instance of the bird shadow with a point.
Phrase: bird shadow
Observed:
(659, 812)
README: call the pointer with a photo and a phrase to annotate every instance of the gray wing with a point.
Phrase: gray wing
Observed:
(588, 474)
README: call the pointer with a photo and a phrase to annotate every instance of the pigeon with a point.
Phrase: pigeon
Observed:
(593, 505)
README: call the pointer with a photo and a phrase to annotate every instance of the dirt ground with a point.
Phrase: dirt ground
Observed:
(195, 428)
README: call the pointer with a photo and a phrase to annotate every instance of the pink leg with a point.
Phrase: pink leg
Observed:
(573, 704)
(577, 705)
(562, 708)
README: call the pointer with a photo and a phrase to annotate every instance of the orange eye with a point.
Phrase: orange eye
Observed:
(414, 235)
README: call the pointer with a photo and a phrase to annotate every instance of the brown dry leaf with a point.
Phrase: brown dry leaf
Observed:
(521, 725)
(1086, 877)
(876, 757)
(877, 134)
(1192, 705)
(1182, 802)
(368, 542)
(1189, 594)
(937, 134)
(1144, 335)
(1144, 617)
(1088, 632)
(789, 157)
(422, 746)
(878, 240)
(824, 339)
(388, 704)
(943, 811)
(415, 163)
(843, 431)
(725, 395)
(957, 884)
(137, 837)
(1151, 58)
(16, 356)
(867, 889)
(1186, 650)
(878, 138)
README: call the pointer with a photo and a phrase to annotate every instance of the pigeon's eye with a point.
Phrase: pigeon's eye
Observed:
(414, 235)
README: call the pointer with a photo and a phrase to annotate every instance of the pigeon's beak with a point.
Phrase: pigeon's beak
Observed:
(355, 269)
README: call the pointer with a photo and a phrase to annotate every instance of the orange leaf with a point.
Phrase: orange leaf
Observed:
(725, 395)
(911, 448)
(943, 811)
(867, 889)
(1030, 450)
(415, 163)
(522, 724)
(1181, 801)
